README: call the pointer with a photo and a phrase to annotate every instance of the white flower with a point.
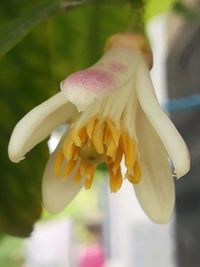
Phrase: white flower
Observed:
(117, 117)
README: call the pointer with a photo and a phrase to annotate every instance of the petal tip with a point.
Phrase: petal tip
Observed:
(162, 219)
(184, 167)
(163, 215)
(182, 159)
(50, 208)
(14, 153)
(15, 159)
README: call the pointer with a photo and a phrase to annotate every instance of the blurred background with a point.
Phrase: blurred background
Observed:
(42, 42)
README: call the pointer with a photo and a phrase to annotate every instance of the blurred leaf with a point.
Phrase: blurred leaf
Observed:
(155, 7)
(187, 12)
(32, 14)
(11, 252)
(137, 3)
(25, 81)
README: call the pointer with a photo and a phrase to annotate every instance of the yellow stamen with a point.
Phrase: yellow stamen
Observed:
(106, 135)
(90, 127)
(58, 162)
(75, 153)
(68, 147)
(97, 137)
(69, 167)
(129, 151)
(90, 177)
(117, 161)
(83, 135)
(115, 179)
(136, 177)
(111, 150)
(76, 138)
(115, 133)
(77, 177)
(137, 172)
(83, 167)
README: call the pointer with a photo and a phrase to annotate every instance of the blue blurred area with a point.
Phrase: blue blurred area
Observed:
(182, 104)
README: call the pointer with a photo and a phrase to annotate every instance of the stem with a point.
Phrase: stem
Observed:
(17, 29)
(66, 4)
(136, 24)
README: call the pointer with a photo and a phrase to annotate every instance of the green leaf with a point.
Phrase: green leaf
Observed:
(155, 7)
(138, 3)
(32, 14)
(25, 82)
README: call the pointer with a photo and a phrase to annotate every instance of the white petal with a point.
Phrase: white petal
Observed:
(167, 132)
(155, 192)
(110, 73)
(57, 192)
(38, 124)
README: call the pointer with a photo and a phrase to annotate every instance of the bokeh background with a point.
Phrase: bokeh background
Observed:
(43, 41)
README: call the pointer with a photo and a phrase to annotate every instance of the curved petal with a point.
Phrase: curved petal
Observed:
(155, 192)
(111, 72)
(38, 124)
(57, 192)
(170, 137)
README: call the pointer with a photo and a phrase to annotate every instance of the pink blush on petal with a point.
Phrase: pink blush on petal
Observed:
(94, 80)
(116, 67)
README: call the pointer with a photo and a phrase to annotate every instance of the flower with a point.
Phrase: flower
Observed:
(113, 115)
